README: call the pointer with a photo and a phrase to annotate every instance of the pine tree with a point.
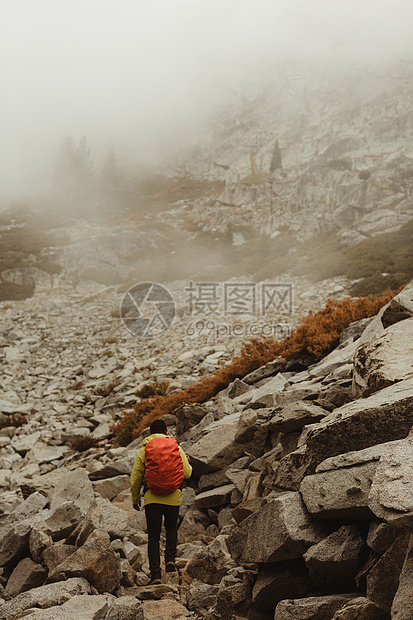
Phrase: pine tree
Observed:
(63, 172)
(73, 174)
(85, 172)
(110, 182)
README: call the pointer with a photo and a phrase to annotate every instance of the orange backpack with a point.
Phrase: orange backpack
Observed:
(164, 469)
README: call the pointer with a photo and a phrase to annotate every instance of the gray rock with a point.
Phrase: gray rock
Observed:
(89, 607)
(14, 542)
(165, 609)
(252, 430)
(26, 575)
(57, 554)
(337, 395)
(384, 360)
(357, 457)
(96, 561)
(268, 370)
(211, 563)
(114, 468)
(225, 517)
(216, 449)
(132, 552)
(360, 609)
(340, 493)
(128, 573)
(62, 520)
(111, 487)
(197, 432)
(188, 498)
(402, 606)
(215, 497)
(239, 477)
(63, 485)
(294, 416)
(234, 594)
(381, 536)
(280, 530)
(43, 453)
(27, 509)
(123, 608)
(276, 582)
(334, 360)
(22, 444)
(391, 494)
(334, 562)
(39, 541)
(201, 596)
(383, 578)
(385, 416)
(105, 516)
(313, 607)
(399, 308)
(45, 596)
(246, 508)
(189, 416)
(236, 388)
(190, 529)
(213, 480)
(290, 470)
(269, 388)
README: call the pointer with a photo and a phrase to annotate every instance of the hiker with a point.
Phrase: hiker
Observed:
(160, 466)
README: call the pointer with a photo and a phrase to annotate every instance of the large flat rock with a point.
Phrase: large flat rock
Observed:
(311, 608)
(218, 448)
(384, 416)
(281, 530)
(384, 360)
(339, 493)
(391, 493)
(294, 416)
(46, 596)
(399, 308)
(84, 607)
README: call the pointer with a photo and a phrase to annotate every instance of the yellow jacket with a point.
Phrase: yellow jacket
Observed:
(138, 472)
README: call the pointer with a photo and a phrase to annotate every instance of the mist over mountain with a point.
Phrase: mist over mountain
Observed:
(145, 79)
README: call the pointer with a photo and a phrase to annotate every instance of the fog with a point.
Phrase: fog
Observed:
(142, 77)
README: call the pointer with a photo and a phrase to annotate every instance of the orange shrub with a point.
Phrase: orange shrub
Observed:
(320, 332)
(317, 335)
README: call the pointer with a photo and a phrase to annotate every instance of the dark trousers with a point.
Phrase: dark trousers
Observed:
(154, 514)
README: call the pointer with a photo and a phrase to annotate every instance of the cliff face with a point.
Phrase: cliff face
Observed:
(345, 145)
(300, 502)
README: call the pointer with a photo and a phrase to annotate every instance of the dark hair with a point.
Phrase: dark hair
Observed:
(158, 426)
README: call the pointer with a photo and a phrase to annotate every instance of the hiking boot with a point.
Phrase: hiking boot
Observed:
(155, 580)
(170, 567)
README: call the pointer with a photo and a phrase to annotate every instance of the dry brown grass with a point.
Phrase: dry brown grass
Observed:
(318, 334)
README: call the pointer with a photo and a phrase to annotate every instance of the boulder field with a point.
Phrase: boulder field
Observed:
(300, 506)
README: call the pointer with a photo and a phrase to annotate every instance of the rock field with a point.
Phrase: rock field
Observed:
(300, 506)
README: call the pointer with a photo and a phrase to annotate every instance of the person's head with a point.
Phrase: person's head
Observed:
(158, 426)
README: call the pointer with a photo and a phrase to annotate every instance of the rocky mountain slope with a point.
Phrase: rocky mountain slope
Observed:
(224, 209)
(345, 144)
(299, 506)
